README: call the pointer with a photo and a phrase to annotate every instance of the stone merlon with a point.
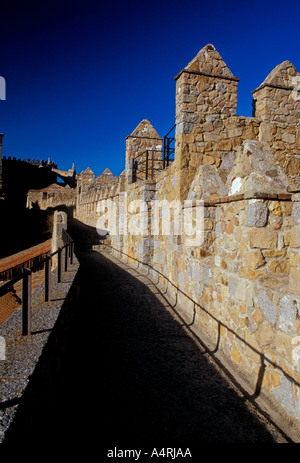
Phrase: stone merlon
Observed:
(209, 62)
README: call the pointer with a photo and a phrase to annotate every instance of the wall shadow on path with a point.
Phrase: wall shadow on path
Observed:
(130, 374)
(157, 385)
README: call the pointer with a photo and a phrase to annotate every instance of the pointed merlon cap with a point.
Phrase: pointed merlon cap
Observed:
(107, 172)
(87, 172)
(106, 176)
(144, 130)
(282, 76)
(209, 62)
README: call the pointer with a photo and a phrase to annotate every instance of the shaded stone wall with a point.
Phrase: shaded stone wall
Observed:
(51, 197)
(19, 175)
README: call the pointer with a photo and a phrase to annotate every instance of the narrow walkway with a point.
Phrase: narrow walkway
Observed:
(157, 384)
(132, 374)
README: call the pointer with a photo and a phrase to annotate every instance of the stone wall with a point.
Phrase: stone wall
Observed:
(51, 197)
(239, 288)
(19, 175)
(142, 142)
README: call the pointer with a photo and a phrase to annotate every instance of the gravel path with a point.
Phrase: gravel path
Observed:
(133, 375)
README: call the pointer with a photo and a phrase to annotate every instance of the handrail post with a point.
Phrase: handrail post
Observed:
(66, 257)
(72, 251)
(146, 165)
(59, 255)
(152, 161)
(47, 278)
(26, 302)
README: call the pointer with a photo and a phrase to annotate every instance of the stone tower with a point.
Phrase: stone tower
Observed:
(206, 86)
(277, 99)
(206, 93)
(144, 137)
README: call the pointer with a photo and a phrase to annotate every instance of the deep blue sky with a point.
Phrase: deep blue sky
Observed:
(81, 75)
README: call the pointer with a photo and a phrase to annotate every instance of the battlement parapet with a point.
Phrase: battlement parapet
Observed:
(240, 286)
(33, 162)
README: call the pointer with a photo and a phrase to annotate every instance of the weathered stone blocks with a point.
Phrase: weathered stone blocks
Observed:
(256, 171)
(276, 99)
(254, 259)
(263, 238)
(295, 237)
(256, 214)
(295, 280)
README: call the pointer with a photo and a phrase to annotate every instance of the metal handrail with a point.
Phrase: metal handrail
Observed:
(26, 277)
(146, 164)
(171, 130)
(167, 149)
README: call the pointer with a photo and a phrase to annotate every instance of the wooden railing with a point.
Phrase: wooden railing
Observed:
(66, 252)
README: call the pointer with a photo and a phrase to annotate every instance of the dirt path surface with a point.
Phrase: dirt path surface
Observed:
(133, 375)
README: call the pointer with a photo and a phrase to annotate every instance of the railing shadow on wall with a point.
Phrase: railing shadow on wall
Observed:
(263, 359)
(25, 276)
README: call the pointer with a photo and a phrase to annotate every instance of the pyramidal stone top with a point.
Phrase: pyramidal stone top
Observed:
(282, 76)
(87, 172)
(208, 61)
(106, 176)
(107, 171)
(145, 129)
